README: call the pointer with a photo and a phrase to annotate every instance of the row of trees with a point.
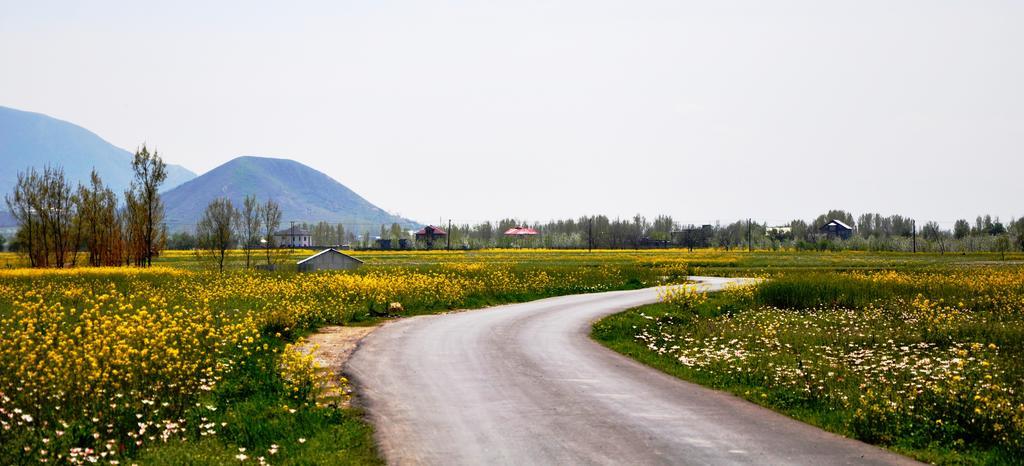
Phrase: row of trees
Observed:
(597, 231)
(250, 226)
(871, 232)
(895, 232)
(58, 221)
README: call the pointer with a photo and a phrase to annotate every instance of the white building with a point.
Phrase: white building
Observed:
(293, 237)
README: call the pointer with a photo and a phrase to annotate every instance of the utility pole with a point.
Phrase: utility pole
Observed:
(590, 234)
(449, 236)
(750, 246)
(914, 223)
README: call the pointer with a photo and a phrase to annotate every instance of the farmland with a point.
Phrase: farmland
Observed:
(927, 362)
(102, 363)
(177, 363)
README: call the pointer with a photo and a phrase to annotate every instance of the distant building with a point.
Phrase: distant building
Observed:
(293, 237)
(647, 242)
(383, 243)
(429, 234)
(836, 229)
(329, 259)
(694, 237)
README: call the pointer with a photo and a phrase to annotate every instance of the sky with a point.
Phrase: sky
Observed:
(482, 110)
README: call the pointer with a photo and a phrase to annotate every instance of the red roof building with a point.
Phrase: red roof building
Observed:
(430, 233)
(520, 231)
(431, 230)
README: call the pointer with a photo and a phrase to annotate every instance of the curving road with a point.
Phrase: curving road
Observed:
(525, 384)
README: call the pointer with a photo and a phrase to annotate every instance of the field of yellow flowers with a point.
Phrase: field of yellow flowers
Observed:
(178, 364)
(104, 364)
(929, 362)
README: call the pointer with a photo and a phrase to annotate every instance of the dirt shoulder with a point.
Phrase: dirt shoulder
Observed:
(331, 347)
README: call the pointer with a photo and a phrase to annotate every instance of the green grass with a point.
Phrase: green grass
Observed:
(256, 410)
(794, 334)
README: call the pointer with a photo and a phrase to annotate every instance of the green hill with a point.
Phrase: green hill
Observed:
(305, 195)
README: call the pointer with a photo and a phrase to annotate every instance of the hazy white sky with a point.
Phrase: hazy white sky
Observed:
(479, 110)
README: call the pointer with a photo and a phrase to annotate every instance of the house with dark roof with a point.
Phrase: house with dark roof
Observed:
(837, 229)
(293, 237)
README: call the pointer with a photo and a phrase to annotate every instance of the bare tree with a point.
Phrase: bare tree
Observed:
(46, 210)
(22, 204)
(271, 213)
(215, 231)
(133, 227)
(97, 220)
(933, 233)
(249, 220)
(150, 173)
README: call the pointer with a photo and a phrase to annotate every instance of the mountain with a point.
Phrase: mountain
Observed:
(34, 140)
(305, 195)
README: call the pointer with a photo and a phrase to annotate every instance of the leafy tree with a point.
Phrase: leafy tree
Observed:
(1002, 245)
(181, 240)
(997, 228)
(983, 225)
(961, 229)
(396, 233)
(485, 233)
(662, 227)
(1016, 228)
(322, 233)
(150, 172)
(3, 242)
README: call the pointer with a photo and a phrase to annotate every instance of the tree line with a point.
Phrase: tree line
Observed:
(321, 234)
(58, 221)
(60, 225)
(871, 231)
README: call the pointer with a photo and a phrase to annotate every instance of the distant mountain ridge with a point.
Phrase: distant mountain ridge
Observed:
(305, 195)
(30, 139)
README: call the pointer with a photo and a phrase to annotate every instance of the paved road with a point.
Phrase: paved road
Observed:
(524, 384)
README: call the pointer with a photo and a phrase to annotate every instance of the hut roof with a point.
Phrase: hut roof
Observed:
(314, 256)
(840, 223)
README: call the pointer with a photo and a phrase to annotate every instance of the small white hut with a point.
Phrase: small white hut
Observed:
(329, 259)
